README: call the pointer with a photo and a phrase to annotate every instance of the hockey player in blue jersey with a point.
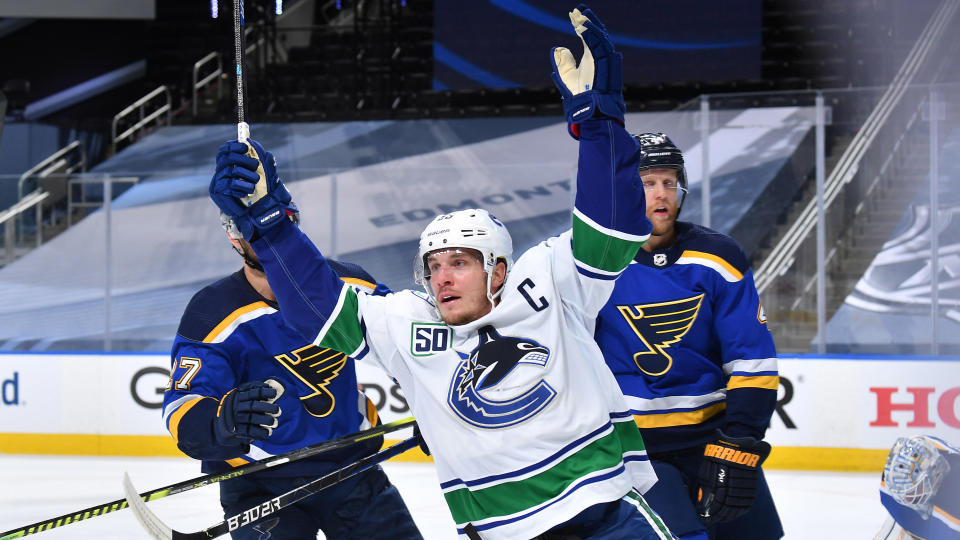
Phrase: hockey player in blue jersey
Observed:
(920, 488)
(245, 386)
(529, 432)
(686, 337)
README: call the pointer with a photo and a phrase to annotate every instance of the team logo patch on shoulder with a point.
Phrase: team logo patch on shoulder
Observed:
(494, 358)
(428, 338)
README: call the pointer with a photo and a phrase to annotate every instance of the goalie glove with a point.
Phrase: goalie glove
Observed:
(595, 86)
(247, 188)
(728, 477)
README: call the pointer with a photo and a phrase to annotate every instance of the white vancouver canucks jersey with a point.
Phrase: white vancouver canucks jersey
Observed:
(526, 423)
(517, 407)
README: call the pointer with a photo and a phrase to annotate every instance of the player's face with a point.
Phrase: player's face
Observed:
(242, 246)
(660, 187)
(459, 285)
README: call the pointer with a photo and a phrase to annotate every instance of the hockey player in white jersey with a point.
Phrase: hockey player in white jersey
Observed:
(531, 435)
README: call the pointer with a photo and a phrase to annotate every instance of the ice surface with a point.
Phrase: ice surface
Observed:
(34, 488)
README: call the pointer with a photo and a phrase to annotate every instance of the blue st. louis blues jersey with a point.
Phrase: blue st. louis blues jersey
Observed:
(943, 522)
(685, 335)
(230, 334)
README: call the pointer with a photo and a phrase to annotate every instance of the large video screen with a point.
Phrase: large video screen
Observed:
(506, 43)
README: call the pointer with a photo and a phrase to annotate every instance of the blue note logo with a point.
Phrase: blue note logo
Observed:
(485, 368)
(317, 368)
(658, 326)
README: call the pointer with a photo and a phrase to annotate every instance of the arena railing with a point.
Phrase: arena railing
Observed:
(850, 161)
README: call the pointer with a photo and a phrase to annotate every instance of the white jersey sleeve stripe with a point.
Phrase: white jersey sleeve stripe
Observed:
(334, 314)
(757, 365)
(174, 405)
(236, 319)
(669, 403)
(608, 231)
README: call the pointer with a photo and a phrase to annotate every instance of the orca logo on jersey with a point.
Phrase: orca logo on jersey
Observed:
(658, 326)
(484, 368)
(317, 368)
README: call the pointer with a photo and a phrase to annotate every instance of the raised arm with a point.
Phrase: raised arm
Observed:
(312, 297)
(609, 222)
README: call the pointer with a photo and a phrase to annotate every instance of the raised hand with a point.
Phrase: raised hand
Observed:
(595, 86)
(247, 188)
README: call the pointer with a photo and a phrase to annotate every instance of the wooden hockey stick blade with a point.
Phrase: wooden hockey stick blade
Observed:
(206, 480)
(161, 531)
(151, 523)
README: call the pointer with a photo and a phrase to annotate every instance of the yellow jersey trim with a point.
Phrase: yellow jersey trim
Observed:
(944, 515)
(768, 382)
(173, 423)
(361, 282)
(714, 259)
(229, 319)
(685, 418)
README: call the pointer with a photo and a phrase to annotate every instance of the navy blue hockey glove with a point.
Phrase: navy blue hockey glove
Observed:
(595, 87)
(247, 188)
(248, 413)
(420, 441)
(728, 477)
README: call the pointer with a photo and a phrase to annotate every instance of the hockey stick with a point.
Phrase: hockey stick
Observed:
(240, 55)
(200, 481)
(243, 129)
(161, 531)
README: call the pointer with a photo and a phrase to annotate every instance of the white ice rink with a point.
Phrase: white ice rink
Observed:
(813, 505)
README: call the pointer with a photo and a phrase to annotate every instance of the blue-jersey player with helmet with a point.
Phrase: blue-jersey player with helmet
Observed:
(686, 337)
(245, 386)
